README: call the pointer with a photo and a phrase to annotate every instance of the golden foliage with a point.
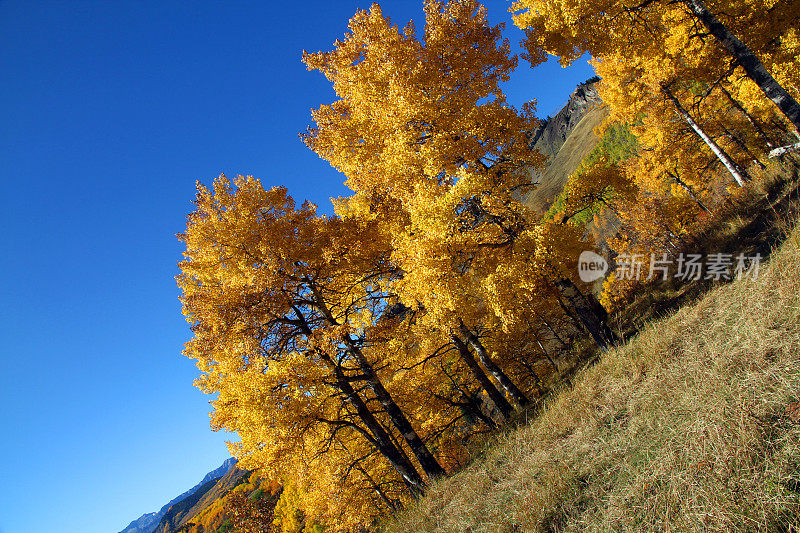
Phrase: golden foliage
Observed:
(351, 354)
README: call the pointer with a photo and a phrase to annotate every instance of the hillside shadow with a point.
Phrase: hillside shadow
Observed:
(754, 223)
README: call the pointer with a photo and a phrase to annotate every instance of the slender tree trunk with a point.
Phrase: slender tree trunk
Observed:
(589, 312)
(752, 66)
(738, 173)
(426, 459)
(686, 187)
(784, 150)
(544, 350)
(743, 146)
(392, 504)
(552, 330)
(382, 439)
(579, 325)
(753, 122)
(476, 408)
(378, 490)
(397, 444)
(495, 396)
(517, 395)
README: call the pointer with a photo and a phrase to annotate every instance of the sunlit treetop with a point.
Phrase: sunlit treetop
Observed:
(416, 116)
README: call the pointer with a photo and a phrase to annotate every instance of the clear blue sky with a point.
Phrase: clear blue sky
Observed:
(109, 112)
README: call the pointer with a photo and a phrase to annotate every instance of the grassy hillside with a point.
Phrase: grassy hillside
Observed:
(694, 425)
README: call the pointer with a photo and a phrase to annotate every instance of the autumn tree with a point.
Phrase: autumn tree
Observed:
(289, 512)
(282, 302)
(430, 148)
(677, 111)
(352, 353)
(418, 120)
(680, 76)
(745, 31)
(667, 74)
(251, 513)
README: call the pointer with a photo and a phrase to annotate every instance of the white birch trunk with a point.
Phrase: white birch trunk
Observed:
(738, 173)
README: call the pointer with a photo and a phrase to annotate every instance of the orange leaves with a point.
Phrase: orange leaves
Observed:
(410, 108)
(421, 129)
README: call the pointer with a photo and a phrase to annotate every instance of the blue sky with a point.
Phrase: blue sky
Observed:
(109, 112)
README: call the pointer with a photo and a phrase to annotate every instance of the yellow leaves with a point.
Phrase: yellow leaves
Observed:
(638, 49)
(273, 291)
(296, 317)
(425, 129)
(406, 99)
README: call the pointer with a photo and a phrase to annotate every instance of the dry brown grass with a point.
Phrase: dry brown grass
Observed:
(685, 428)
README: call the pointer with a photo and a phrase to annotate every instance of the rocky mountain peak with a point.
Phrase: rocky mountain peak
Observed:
(553, 131)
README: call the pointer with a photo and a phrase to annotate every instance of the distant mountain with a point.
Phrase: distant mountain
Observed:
(144, 524)
(214, 474)
(566, 139)
(181, 516)
(148, 522)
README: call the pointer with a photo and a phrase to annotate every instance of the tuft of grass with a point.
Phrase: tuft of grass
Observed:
(690, 426)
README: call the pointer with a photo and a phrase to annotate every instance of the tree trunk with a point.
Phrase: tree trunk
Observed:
(552, 330)
(544, 350)
(784, 150)
(382, 440)
(753, 122)
(476, 407)
(592, 316)
(517, 395)
(496, 397)
(426, 459)
(392, 504)
(743, 146)
(752, 66)
(738, 173)
(686, 187)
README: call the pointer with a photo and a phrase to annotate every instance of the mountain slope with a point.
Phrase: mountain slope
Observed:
(148, 522)
(566, 139)
(181, 513)
(144, 524)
